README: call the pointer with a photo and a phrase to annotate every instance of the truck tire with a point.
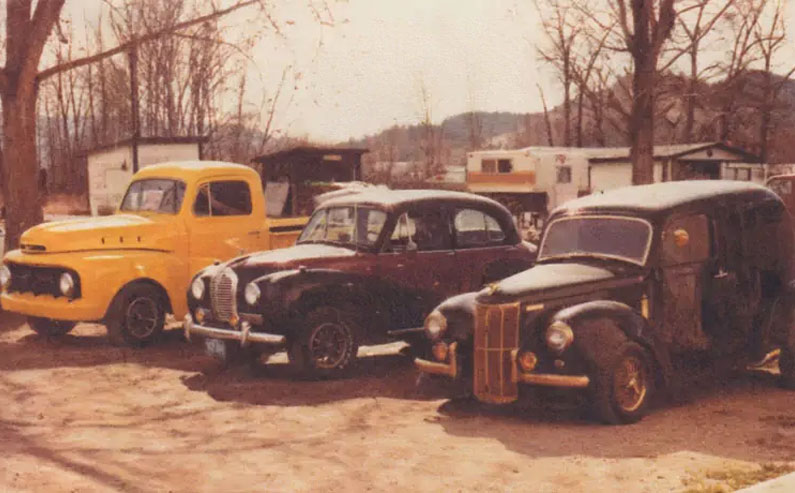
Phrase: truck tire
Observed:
(136, 316)
(50, 328)
(325, 343)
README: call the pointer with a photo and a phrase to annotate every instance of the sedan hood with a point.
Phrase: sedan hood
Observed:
(546, 279)
(120, 231)
(294, 256)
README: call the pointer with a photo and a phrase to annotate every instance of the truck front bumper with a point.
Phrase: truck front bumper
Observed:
(242, 333)
(450, 369)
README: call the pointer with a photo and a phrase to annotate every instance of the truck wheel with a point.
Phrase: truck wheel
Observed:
(136, 316)
(325, 344)
(49, 327)
(623, 383)
(786, 365)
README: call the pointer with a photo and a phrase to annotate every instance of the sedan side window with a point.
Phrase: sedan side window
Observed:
(475, 229)
(427, 229)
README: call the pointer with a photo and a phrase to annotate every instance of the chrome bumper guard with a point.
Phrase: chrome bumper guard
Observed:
(450, 369)
(244, 335)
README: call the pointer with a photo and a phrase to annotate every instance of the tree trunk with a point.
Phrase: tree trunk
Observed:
(641, 124)
(20, 165)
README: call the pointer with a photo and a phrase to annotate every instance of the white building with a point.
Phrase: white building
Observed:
(110, 167)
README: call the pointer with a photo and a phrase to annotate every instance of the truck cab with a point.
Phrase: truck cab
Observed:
(128, 270)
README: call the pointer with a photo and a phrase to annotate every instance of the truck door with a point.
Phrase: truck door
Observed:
(223, 222)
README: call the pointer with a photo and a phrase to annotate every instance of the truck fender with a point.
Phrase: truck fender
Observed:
(629, 321)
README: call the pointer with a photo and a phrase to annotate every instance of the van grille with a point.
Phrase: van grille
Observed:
(223, 291)
(496, 335)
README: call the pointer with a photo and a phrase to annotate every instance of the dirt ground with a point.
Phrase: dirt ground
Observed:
(79, 415)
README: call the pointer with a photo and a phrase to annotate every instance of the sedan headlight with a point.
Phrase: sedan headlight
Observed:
(435, 325)
(5, 276)
(67, 284)
(197, 288)
(252, 293)
(559, 336)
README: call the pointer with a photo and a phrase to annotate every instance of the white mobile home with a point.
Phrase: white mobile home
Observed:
(110, 167)
(537, 178)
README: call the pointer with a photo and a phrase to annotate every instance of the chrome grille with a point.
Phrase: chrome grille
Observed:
(223, 292)
(496, 336)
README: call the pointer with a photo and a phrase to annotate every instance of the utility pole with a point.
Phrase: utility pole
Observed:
(134, 123)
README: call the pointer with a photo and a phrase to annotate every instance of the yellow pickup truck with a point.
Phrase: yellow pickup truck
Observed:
(130, 269)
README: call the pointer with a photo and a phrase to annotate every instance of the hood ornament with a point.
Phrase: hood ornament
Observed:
(493, 288)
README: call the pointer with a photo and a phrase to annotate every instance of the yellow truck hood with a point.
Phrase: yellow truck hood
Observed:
(120, 231)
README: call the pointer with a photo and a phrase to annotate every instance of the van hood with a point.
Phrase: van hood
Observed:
(120, 231)
(550, 281)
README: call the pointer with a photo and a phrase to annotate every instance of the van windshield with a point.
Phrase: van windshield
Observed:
(614, 237)
(154, 195)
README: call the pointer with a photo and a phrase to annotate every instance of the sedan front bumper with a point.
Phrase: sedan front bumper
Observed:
(243, 334)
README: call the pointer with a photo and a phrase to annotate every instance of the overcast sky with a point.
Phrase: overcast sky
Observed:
(364, 73)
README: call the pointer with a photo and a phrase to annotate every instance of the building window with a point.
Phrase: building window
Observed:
(504, 166)
(743, 174)
(488, 165)
(563, 174)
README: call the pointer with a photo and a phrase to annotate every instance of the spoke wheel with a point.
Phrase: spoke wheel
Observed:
(328, 345)
(141, 318)
(324, 344)
(629, 384)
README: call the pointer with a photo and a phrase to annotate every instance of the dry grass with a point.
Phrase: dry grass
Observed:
(733, 479)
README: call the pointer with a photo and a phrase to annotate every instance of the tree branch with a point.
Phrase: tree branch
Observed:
(49, 72)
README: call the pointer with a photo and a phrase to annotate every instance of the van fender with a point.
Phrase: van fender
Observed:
(628, 320)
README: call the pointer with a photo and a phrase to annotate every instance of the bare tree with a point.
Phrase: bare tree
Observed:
(27, 30)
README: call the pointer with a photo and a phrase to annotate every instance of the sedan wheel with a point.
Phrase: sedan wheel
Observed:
(325, 344)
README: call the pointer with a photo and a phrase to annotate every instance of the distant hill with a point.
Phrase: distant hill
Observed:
(457, 135)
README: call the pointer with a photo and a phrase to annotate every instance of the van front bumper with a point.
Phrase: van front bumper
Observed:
(242, 333)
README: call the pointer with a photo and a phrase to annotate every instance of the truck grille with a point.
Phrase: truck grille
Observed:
(496, 335)
(223, 292)
(38, 279)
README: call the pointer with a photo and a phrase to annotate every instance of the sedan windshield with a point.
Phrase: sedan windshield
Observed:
(622, 238)
(353, 226)
(154, 195)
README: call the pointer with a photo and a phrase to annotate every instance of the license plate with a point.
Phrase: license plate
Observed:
(215, 348)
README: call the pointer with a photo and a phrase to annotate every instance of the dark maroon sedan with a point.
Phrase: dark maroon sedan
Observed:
(367, 268)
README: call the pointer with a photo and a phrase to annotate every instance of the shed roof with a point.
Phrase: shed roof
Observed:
(309, 151)
(668, 151)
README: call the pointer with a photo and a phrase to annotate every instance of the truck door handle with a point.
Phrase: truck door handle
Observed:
(254, 233)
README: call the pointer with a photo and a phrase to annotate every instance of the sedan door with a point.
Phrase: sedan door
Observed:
(480, 248)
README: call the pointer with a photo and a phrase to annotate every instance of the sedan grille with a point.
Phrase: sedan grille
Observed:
(223, 292)
(496, 336)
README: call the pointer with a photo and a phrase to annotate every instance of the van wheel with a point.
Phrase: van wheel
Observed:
(786, 365)
(136, 316)
(49, 327)
(325, 344)
(623, 383)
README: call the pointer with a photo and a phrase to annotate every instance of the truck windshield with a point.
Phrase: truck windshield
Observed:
(154, 195)
(353, 226)
(621, 238)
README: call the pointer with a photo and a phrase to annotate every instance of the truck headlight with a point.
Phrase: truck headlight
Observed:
(435, 325)
(252, 293)
(559, 336)
(5, 276)
(197, 288)
(67, 285)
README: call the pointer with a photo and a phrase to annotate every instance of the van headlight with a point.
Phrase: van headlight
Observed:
(435, 325)
(5, 276)
(197, 288)
(252, 293)
(67, 285)
(559, 336)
